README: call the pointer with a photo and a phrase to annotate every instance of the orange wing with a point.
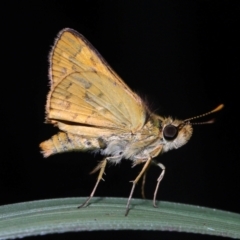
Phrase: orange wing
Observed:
(86, 91)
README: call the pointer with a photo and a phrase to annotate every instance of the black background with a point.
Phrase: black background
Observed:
(180, 56)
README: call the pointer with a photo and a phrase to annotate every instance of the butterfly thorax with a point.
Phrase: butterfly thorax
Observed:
(133, 146)
(143, 143)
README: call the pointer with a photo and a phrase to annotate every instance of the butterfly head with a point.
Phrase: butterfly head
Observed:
(176, 133)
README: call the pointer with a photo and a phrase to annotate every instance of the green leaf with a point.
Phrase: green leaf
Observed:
(61, 215)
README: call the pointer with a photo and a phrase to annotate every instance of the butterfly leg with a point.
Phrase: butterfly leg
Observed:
(135, 182)
(101, 166)
(158, 181)
(154, 153)
(143, 182)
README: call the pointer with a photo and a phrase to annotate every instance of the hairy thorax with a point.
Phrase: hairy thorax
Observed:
(143, 144)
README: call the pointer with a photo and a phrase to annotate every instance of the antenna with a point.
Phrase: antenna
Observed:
(218, 108)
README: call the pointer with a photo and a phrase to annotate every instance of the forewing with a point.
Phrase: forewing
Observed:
(85, 90)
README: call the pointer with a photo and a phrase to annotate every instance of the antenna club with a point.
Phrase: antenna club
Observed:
(218, 108)
(211, 121)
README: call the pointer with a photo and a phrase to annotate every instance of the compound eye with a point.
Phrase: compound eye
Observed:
(170, 132)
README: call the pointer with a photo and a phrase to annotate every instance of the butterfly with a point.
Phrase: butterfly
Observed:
(96, 111)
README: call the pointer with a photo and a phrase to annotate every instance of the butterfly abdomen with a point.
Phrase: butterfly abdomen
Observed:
(66, 142)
